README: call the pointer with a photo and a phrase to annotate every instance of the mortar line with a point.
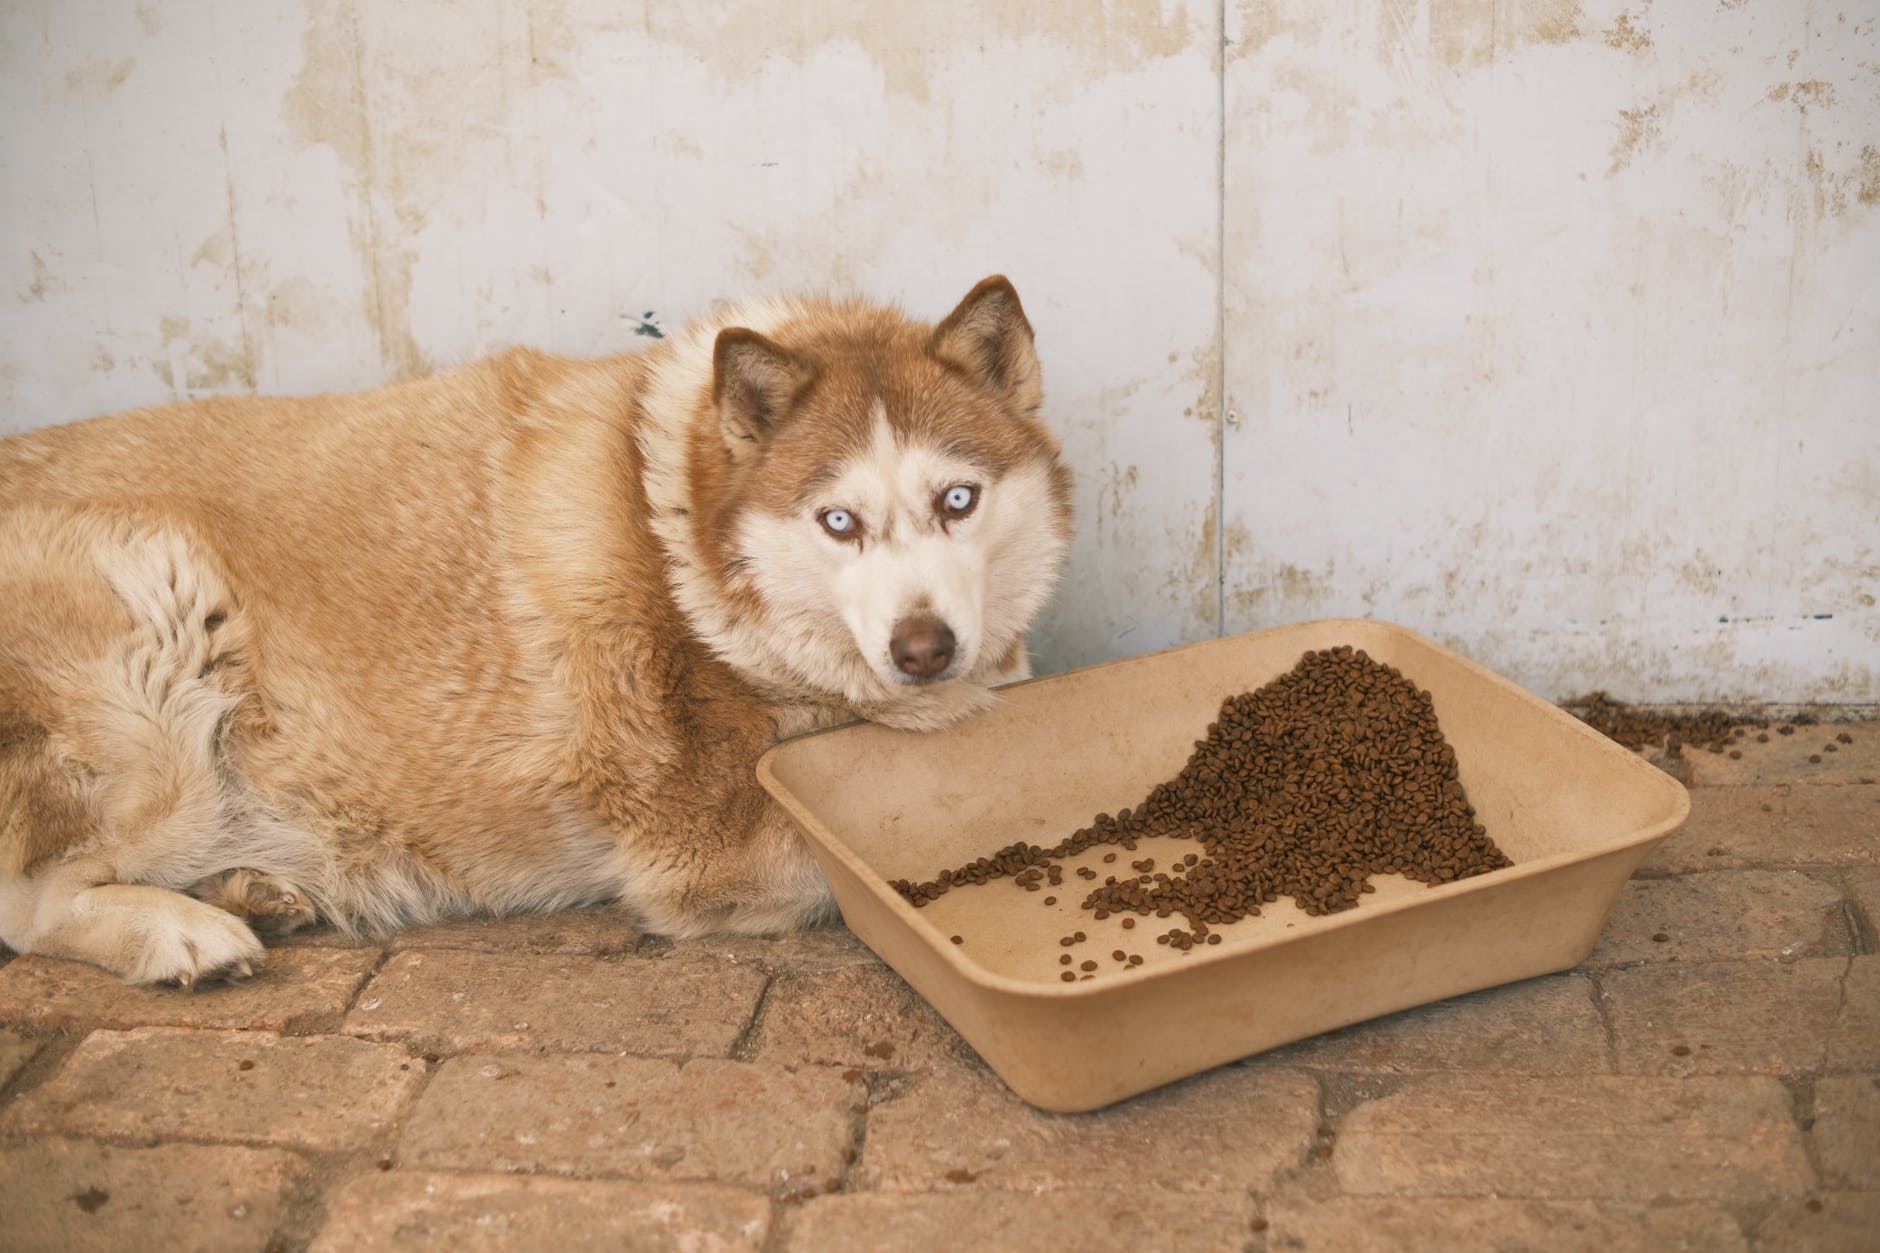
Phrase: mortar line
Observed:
(739, 1050)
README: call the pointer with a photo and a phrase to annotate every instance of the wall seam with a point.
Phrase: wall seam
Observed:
(1220, 322)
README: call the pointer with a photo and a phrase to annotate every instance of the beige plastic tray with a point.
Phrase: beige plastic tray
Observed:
(1574, 811)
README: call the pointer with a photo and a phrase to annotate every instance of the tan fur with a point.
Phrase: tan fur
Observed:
(481, 642)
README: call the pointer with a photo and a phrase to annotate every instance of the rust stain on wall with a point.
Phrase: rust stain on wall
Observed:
(208, 364)
(328, 105)
(1813, 94)
(737, 38)
(1551, 21)
(36, 290)
(1837, 191)
(1199, 576)
(100, 76)
(1626, 37)
(1638, 128)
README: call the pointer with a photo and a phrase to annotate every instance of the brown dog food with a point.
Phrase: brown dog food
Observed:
(1304, 788)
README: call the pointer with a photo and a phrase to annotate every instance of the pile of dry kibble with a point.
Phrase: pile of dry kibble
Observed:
(1306, 787)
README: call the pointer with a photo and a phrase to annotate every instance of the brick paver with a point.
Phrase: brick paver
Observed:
(1830, 1222)
(642, 1118)
(300, 989)
(1733, 827)
(1596, 1136)
(1756, 1016)
(853, 1016)
(820, 948)
(1393, 1224)
(447, 1000)
(1847, 1130)
(1139, 1220)
(71, 1196)
(1719, 916)
(245, 1087)
(440, 1213)
(1545, 1026)
(1234, 1127)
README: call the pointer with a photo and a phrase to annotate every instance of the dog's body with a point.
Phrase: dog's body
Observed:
(506, 639)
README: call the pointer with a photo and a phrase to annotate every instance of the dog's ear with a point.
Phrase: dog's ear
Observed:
(754, 383)
(988, 339)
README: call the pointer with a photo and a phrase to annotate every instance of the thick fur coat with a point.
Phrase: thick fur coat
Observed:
(509, 638)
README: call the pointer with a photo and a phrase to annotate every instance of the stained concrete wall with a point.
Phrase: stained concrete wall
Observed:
(1547, 328)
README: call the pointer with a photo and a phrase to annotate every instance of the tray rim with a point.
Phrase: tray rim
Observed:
(824, 841)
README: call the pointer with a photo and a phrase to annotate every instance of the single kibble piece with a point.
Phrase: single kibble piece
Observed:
(958, 940)
(1069, 976)
(1087, 966)
(1064, 960)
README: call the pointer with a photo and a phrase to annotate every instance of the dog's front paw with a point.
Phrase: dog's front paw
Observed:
(185, 942)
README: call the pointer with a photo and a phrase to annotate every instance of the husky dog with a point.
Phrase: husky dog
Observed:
(506, 639)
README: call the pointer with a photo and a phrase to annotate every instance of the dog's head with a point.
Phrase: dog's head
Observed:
(883, 510)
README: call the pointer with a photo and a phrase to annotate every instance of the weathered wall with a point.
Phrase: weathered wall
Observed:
(1546, 327)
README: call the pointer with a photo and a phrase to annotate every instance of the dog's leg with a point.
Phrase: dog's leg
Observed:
(142, 934)
(269, 903)
(112, 787)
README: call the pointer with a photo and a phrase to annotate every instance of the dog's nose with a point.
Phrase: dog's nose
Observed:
(922, 646)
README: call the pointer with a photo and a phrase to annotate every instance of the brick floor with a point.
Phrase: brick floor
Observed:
(72, 1195)
(1142, 1221)
(451, 1001)
(1392, 1224)
(412, 1213)
(239, 1087)
(1624, 1138)
(565, 1082)
(757, 1125)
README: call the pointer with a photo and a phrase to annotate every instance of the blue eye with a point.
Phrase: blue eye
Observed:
(838, 522)
(959, 499)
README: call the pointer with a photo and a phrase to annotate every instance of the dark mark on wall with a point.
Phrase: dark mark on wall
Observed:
(648, 327)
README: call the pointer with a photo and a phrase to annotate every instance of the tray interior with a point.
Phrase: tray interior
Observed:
(890, 804)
